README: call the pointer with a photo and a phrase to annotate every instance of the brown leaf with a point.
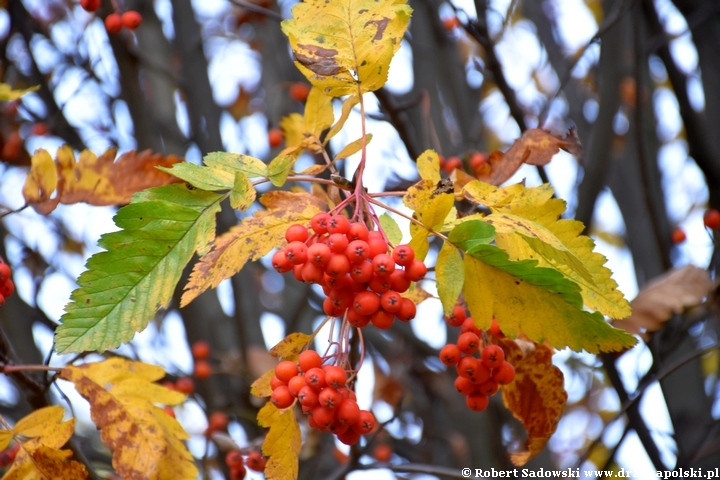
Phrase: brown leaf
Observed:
(534, 147)
(96, 180)
(668, 294)
(536, 397)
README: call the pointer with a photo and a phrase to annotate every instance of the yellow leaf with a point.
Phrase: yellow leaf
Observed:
(417, 295)
(347, 107)
(42, 180)
(351, 49)
(40, 456)
(99, 180)
(523, 307)
(5, 438)
(293, 127)
(318, 112)
(601, 293)
(450, 276)
(353, 147)
(490, 196)
(432, 205)
(7, 92)
(252, 239)
(261, 386)
(243, 193)
(282, 443)
(145, 441)
(290, 347)
(536, 397)
(428, 164)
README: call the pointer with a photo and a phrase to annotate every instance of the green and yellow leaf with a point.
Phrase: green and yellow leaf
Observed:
(243, 192)
(236, 162)
(125, 285)
(428, 164)
(251, 240)
(350, 50)
(432, 205)
(282, 443)
(391, 229)
(8, 93)
(450, 276)
(353, 147)
(279, 169)
(145, 441)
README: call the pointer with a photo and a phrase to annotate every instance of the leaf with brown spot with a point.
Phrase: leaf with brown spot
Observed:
(290, 347)
(282, 443)
(534, 147)
(146, 442)
(351, 49)
(536, 397)
(96, 180)
(668, 294)
(41, 434)
(251, 240)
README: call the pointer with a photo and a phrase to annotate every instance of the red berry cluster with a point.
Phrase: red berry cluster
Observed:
(324, 396)
(235, 462)
(354, 268)
(478, 377)
(7, 287)
(711, 219)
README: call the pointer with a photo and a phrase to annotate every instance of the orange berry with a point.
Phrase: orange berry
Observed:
(113, 23)
(451, 23)
(12, 146)
(275, 137)
(678, 235)
(90, 5)
(202, 370)
(39, 129)
(382, 452)
(453, 163)
(299, 91)
(131, 19)
(218, 421)
(169, 411)
(200, 350)
(185, 385)
(256, 461)
(477, 159)
(711, 219)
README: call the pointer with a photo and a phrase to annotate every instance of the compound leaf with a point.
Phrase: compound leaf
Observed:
(125, 285)
(146, 442)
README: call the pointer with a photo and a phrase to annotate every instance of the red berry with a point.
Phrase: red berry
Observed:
(319, 254)
(311, 273)
(233, 459)
(504, 374)
(200, 350)
(391, 301)
(296, 252)
(495, 329)
(238, 473)
(323, 416)
(309, 359)
(468, 343)
(218, 421)
(307, 396)
(319, 223)
(357, 320)
(449, 24)
(467, 366)
(377, 245)
(465, 386)
(185, 385)
(275, 137)
(296, 233)
(382, 319)
(202, 370)
(382, 452)
(358, 231)
(477, 402)
(366, 303)
(477, 159)
(493, 356)
(5, 272)
(169, 411)
(282, 398)
(315, 378)
(457, 317)
(348, 412)
(453, 163)
(488, 387)
(275, 382)
(711, 219)
(113, 23)
(39, 129)
(398, 282)
(131, 19)
(450, 354)
(403, 255)
(337, 242)
(348, 437)
(90, 5)
(468, 325)
(296, 384)
(329, 398)
(357, 251)
(338, 224)
(256, 462)
(286, 370)
(678, 235)
(383, 265)
(407, 311)
(415, 271)
(366, 424)
(361, 272)
(335, 376)
(280, 262)
(299, 91)
(12, 146)
(379, 284)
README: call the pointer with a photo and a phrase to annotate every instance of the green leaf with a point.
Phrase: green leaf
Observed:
(125, 285)
(353, 147)
(236, 162)
(391, 229)
(243, 193)
(7, 92)
(470, 234)
(279, 169)
(198, 176)
(450, 276)
(428, 165)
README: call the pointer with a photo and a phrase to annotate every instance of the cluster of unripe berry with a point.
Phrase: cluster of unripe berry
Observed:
(479, 377)
(237, 463)
(354, 268)
(114, 22)
(324, 396)
(7, 287)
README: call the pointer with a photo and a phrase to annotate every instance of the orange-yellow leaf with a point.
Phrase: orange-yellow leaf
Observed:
(145, 441)
(536, 397)
(251, 240)
(534, 147)
(417, 295)
(261, 386)
(290, 347)
(39, 455)
(96, 180)
(282, 443)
